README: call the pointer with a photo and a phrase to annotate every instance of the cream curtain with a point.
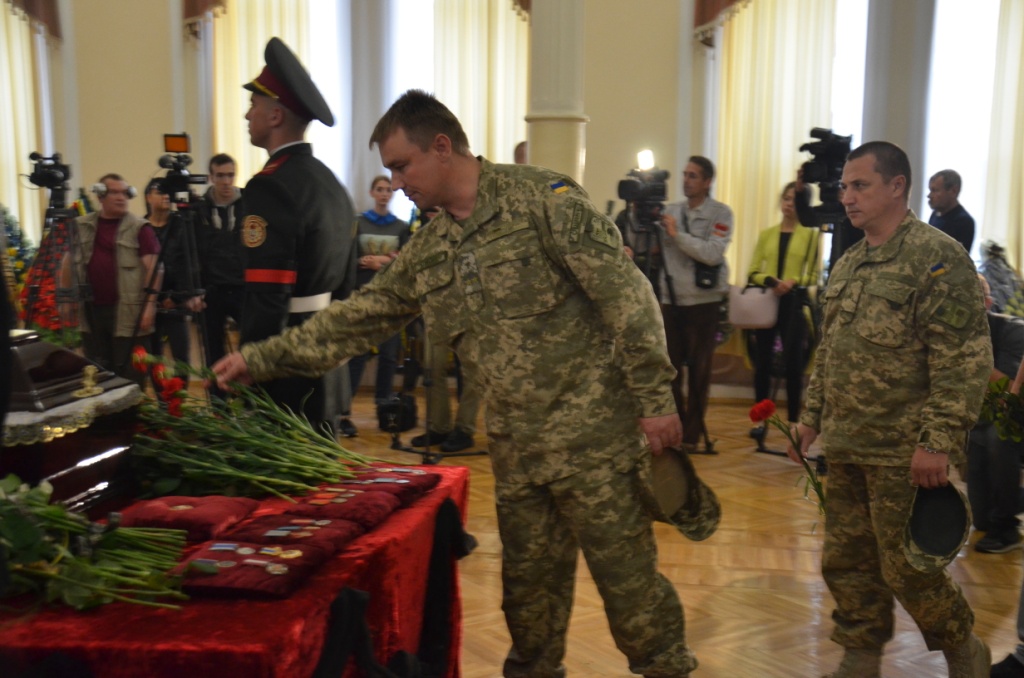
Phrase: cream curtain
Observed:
(481, 68)
(776, 84)
(1004, 193)
(240, 35)
(19, 135)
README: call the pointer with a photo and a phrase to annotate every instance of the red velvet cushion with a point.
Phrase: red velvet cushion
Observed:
(408, 484)
(332, 535)
(202, 517)
(368, 509)
(250, 570)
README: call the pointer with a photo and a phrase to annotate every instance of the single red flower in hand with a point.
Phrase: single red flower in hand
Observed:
(762, 411)
(139, 356)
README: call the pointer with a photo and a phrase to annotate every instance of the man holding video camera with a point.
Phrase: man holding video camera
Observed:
(694, 282)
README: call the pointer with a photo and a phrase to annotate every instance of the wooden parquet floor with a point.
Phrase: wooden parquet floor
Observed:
(756, 606)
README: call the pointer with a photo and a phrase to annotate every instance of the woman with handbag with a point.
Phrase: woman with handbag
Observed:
(785, 261)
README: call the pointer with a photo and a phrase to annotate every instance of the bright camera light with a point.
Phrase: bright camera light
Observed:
(645, 159)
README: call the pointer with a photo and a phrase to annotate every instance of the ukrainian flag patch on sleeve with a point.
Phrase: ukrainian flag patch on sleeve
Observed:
(937, 270)
(559, 187)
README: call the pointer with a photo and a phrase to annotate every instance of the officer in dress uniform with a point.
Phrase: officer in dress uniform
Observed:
(298, 229)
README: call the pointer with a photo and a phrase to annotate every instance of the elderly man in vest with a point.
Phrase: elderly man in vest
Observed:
(110, 268)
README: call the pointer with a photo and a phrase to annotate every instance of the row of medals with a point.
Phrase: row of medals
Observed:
(299, 527)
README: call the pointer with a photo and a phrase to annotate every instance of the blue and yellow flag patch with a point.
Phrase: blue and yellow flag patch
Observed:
(559, 187)
(937, 270)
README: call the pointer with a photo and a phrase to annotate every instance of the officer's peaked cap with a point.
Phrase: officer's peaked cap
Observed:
(285, 80)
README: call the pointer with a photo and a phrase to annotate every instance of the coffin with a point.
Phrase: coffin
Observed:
(70, 423)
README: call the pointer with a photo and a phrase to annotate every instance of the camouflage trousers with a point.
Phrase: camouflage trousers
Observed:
(864, 566)
(542, 528)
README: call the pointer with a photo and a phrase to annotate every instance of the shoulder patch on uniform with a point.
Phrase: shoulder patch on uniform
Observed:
(272, 166)
(254, 231)
(576, 223)
(937, 270)
(953, 313)
(602, 232)
(721, 230)
(559, 187)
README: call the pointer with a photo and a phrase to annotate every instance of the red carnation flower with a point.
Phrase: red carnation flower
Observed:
(139, 356)
(174, 407)
(171, 387)
(762, 411)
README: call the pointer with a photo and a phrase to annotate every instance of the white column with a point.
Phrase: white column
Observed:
(557, 125)
(897, 72)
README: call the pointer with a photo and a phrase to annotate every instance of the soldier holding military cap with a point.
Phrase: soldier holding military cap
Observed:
(523, 277)
(898, 382)
(298, 229)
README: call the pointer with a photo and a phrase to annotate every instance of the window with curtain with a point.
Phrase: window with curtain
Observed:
(1004, 179)
(471, 53)
(960, 100)
(776, 72)
(240, 34)
(19, 135)
(480, 66)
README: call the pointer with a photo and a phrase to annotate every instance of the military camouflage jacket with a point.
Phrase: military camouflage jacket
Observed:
(905, 352)
(566, 331)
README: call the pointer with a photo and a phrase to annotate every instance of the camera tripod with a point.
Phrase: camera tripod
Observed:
(179, 239)
(412, 369)
(651, 231)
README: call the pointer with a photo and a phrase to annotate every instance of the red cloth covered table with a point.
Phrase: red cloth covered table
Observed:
(257, 639)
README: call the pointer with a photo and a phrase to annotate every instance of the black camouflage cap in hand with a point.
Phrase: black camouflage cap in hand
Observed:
(937, 528)
(285, 80)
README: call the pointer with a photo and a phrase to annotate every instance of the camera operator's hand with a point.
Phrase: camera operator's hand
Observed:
(664, 431)
(800, 185)
(670, 224)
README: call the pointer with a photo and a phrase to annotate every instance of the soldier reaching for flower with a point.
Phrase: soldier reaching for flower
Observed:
(570, 352)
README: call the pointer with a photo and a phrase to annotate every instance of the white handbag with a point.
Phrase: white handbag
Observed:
(752, 308)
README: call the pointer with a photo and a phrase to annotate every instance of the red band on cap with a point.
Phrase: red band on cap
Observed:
(267, 275)
(268, 81)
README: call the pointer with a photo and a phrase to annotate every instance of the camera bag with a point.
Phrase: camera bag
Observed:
(705, 276)
(398, 414)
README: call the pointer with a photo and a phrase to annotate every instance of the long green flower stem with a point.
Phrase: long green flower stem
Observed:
(111, 593)
(272, 443)
(225, 468)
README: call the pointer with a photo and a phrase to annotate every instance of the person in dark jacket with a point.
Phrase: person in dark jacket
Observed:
(222, 255)
(298, 229)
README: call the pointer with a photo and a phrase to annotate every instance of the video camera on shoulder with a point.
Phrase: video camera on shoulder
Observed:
(826, 170)
(175, 161)
(647, 190)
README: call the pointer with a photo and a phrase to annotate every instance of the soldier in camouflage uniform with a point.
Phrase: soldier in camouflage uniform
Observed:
(571, 356)
(898, 382)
